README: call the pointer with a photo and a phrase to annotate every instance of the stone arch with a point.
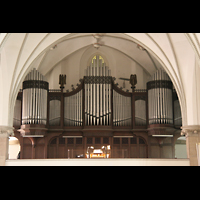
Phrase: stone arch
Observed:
(156, 44)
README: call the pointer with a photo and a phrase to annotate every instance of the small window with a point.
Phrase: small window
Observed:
(53, 141)
(116, 141)
(141, 141)
(89, 140)
(124, 140)
(79, 140)
(95, 57)
(97, 140)
(70, 141)
(134, 140)
(61, 140)
(105, 140)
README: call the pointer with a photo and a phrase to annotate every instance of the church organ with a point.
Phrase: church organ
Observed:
(97, 111)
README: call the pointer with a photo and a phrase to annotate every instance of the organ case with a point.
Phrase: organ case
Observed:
(34, 104)
(97, 101)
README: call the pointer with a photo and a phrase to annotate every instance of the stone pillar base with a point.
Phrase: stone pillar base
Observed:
(5, 132)
(192, 134)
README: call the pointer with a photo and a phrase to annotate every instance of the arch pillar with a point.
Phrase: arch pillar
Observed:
(5, 133)
(192, 134)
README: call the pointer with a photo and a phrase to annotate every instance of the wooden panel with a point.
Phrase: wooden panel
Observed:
(27, 152)
(133, 151)
(39, 152)
(52, 151)
(142, 151)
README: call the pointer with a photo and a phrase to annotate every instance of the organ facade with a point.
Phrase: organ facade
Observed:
(97, 114)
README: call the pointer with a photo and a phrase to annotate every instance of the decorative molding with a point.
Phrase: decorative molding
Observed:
(97, 79)
(159, 84)
(6, 131)
(190, 130)
(35, 84)
(52, 98)
(141, 97)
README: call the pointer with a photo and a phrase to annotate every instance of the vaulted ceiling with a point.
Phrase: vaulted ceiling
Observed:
(83, 41)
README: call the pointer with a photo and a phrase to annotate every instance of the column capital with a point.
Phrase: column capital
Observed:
(190, 130)
(6, 131)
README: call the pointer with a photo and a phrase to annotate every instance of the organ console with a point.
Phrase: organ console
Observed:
(97, 101)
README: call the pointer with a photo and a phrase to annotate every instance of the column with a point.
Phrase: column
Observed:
(5, 132)
(192, 134)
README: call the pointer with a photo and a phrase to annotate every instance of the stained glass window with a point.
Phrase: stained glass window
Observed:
(95, 57)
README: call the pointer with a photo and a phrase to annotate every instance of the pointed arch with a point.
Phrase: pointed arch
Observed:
(101, 56)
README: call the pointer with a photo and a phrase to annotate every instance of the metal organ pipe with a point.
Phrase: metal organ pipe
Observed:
(34, 105)
(160, 99)
(121, 109)
(97, 93)
(73, 110)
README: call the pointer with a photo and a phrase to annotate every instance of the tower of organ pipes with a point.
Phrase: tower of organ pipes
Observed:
(98, 93)
(34, 102)
(160, 99)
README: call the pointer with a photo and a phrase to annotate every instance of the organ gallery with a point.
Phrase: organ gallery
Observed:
(97, 117)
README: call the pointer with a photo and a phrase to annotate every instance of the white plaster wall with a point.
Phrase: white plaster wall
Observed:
(74, 66)
(180, 151)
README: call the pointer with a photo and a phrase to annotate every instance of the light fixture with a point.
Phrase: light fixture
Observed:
(96, 45)
(65, 136)
(97, 35)
(162, 135)
(122, 136)
(37, 136)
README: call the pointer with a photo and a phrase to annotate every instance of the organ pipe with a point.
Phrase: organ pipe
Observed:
(140, 112)
(73, 109)
(160, 98)
(97, 93)
(54, 112)
(34, 104)
(121, 109)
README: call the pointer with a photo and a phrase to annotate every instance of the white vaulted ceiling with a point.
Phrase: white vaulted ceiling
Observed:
(116, 41)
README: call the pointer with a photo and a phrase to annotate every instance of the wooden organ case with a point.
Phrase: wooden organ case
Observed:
(96, 114)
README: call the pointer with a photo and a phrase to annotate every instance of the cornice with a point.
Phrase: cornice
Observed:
(190, 130)
(6, 130)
